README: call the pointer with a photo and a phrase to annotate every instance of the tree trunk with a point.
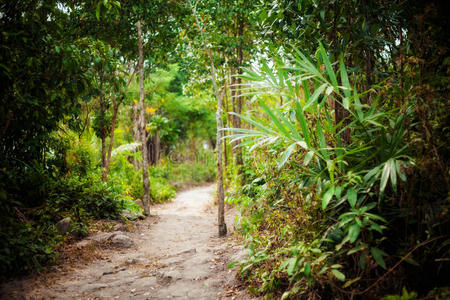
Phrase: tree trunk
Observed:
(220, 193)
(102, 115)
(226, 125)
(103, 150)
(111, 141)
(145, 179)
(240, 55)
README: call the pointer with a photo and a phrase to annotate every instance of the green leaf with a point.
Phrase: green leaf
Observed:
(351, 196)
(353, 232)
(307, 270)
(302, 120)
(286, 154)
(393, 174)
(97, 11)
(316, 95)
(326, 198)
(232, 264)
(292, 265)
(328, 66)
(308, 158)
(344, 81)
(378, 256)
(275, 120)
(338, 192)
(338, 274)
(356, 249)
(384, 177)
(350, 282)
(322, 142)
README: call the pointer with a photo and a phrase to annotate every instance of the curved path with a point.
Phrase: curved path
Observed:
(176, 255)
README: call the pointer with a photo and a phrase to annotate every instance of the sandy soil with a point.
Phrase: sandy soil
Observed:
(176, 255)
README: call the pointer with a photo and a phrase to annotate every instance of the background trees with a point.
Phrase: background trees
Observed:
(66, 68)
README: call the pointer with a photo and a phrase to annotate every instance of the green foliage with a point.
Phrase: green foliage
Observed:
(404, 296)
(29, 237)
(339, 170)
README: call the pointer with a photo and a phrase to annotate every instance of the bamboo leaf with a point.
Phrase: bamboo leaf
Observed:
(344, 79)
(308, 158)
(286, 154)
(316, 95)
(393, 174)
(384, 177)
(322, 142)
(275, 120)
(302, 120)
(256, 124)
(328, 66)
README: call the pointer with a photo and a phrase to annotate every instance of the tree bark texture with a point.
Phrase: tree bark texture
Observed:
(145, 179)
(111, 141)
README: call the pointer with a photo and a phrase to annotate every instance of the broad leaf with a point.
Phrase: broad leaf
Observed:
(326, 198)
(378, 256)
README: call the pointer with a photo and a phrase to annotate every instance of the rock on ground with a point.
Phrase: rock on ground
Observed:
(64, 226)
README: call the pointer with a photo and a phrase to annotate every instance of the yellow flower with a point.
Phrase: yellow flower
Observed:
(148, 128)
(217, 106)
(150, 110)
(135, 101)
(162, 100)
(127, 129)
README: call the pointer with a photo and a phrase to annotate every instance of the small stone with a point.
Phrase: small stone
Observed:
(92, 287)
(83, 243)
(120, 227)
(64, 226)
(101, 237)
(140, 260)
(129, 215)
(122, 240)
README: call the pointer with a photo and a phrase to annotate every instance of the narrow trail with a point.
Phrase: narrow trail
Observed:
(176, 255)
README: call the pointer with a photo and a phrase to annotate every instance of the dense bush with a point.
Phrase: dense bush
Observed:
(28, 235)
(333, 207)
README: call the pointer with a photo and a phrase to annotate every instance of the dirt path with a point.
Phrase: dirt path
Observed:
(176, 254)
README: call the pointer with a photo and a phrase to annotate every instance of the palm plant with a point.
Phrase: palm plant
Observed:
(349, 174)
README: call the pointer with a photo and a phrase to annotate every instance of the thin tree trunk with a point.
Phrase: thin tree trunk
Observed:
(103, 149)
(240, 55)
(102, 114)
(220, 192)
(157, 144)
(111, 141)
(234, 118)
(145, 179)
(226, 125)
